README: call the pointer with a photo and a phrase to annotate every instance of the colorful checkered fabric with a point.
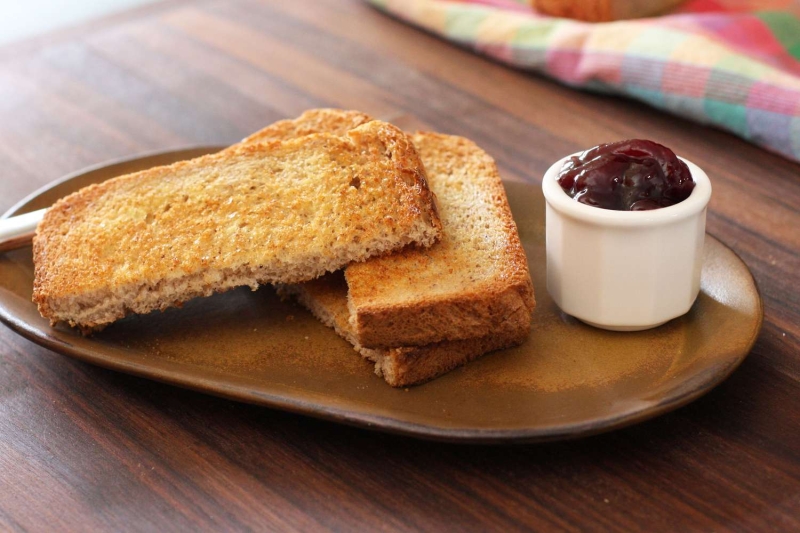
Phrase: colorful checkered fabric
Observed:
(720, 62)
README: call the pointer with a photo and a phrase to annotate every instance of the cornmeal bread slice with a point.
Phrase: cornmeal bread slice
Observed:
(467, 285)
(264, 213)
(326, 298)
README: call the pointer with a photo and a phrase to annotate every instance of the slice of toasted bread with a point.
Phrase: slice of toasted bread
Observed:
(326, 298)
(469, 283)
(274, 212)
(485, 306)
(462, 287)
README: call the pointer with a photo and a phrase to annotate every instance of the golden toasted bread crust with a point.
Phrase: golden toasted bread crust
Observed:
(266, 212)
(326, 298)
(333, 121)
(465, 286)
(412, 365)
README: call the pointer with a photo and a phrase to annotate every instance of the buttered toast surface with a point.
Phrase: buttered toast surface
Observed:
(281, 211)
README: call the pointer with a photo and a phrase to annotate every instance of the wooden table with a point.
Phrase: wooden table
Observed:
(85, 449)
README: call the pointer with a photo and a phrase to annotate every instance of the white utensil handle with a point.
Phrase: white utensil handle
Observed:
(16, 232)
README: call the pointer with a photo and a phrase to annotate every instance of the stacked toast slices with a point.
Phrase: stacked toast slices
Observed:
(404, 244)
(281, 211)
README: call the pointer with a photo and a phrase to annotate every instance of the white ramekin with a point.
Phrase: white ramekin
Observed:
(624, 270)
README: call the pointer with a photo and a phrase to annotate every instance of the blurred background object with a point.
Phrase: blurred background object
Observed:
(603, 10)
(734, 64)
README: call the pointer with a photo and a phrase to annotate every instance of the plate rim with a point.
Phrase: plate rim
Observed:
(381, 423)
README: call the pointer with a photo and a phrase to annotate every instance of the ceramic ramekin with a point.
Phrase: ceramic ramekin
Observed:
(624, 270)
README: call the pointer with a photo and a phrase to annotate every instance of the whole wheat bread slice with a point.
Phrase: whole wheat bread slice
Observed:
(326, 298)
(462, 287)
(484, 307)
(469, 283)
(264, 213)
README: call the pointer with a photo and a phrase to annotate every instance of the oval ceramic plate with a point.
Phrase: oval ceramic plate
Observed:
(567, 380)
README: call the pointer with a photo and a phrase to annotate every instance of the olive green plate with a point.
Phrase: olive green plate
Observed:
(567, 380)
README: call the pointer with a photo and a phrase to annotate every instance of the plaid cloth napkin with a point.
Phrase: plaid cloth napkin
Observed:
(734, 64)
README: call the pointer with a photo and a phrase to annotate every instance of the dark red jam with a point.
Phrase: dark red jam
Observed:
(633, 175)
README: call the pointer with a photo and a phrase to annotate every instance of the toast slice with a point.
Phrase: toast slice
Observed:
(468, 284)
(493, 305)
(326, 298)
(463, 287)
(264, 213)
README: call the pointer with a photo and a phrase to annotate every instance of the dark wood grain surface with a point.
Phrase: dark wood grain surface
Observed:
(86, 449)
